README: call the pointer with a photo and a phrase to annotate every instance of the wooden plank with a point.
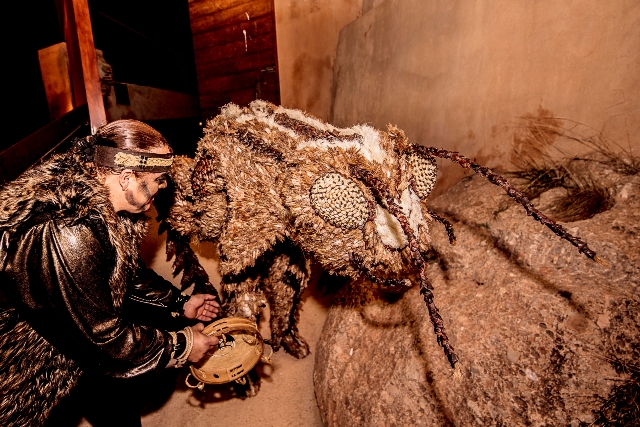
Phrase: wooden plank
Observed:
(243, 82)
(210, 113)
(210, 106)
(27, 152)
(236, 49)
(274, 75)
(257, 61)
(89, 61)
(230, 83)
(230, 16)
(238, 98)
(257, 26)
(228, 70)
(243, 97)
(215, 99)
(199, 8)
(222, 98)
(269, 89)
(54, 67)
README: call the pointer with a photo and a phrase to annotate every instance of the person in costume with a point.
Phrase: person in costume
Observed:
(75, 299)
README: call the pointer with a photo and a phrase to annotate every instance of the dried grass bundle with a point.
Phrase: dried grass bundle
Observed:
(622, 407)
(542, 163)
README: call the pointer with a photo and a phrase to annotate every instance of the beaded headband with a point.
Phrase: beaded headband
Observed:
(140, 161)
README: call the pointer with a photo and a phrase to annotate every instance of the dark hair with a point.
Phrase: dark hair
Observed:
(126, 134)
(130, 135)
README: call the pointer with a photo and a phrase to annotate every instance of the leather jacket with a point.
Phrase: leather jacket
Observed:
(56, 274)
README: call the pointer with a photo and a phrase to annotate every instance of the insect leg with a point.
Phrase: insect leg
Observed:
(382, 192)
(447, 225)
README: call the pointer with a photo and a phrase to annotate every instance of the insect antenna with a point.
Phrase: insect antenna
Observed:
(514, 193)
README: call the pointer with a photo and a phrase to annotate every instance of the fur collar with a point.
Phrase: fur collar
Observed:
(62, 187)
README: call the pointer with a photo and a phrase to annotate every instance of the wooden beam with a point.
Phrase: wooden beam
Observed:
(229, 67)
(65, 10)
(236, 49)
(206, 7)
(235, 52)
(54, 67)
(230, 15)
(257, 26)
(78, 30)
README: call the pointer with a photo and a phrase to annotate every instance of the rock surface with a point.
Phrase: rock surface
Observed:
(532, 320)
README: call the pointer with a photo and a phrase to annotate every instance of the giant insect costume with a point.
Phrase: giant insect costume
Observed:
(276, 188)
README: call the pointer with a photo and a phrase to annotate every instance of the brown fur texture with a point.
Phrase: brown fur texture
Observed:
(249, 189)
(34, 376)
(72, 192)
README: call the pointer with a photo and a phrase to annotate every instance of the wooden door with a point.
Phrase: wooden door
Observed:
(235, 52)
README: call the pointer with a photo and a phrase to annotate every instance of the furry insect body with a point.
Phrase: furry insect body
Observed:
(277, 188)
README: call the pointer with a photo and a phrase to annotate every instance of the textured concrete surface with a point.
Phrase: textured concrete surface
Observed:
(307, 32)
(459, 74)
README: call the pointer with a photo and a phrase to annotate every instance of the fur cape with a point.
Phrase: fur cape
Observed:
(34, 376)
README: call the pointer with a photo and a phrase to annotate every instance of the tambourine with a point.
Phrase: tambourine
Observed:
(240, 348)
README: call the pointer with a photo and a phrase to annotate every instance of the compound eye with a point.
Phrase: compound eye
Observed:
(339, 201)
(424, 171)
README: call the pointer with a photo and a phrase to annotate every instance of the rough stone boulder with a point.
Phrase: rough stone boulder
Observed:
(533, 321)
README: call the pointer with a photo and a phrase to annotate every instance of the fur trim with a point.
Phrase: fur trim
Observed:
(34, 376)
(71, 192)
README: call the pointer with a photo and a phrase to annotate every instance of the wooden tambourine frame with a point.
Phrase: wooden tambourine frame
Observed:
(240, 348)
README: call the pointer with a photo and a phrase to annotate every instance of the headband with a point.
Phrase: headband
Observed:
(140, 161)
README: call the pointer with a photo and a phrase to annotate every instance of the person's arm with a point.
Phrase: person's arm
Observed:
(151, 299)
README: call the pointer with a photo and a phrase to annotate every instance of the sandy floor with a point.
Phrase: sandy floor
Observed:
(286, 396)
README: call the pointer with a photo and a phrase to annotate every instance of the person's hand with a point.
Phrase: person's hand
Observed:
(202, 307)
(201, 343)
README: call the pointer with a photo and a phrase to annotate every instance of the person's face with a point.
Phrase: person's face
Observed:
(139, 195)
(144, 186)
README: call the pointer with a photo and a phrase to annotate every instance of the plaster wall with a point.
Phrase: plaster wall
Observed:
(307, 35)
(150, 103)
(459, 74)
